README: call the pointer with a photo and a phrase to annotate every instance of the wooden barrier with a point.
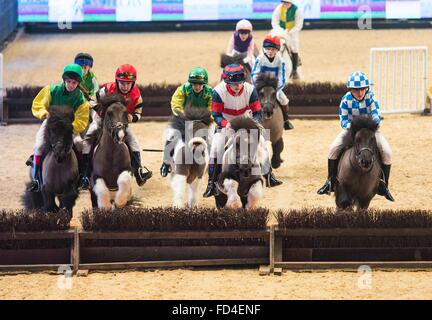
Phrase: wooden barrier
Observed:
(171, 255)
(350, 258)
(36, 259)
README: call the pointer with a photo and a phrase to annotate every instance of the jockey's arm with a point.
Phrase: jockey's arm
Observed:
(217, 109)
(275, 21)
(374, 108)
(298, 22)
(255, 106)
(250, 51)
(81, 118)
(281, 76)
(95, 88)
(41, 103)
(136, 114)
(343, 115)
(256, 70)
(178, 101)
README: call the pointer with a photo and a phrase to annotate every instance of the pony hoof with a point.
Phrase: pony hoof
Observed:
(234, 203)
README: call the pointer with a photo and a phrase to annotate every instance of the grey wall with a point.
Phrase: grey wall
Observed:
(8, 18)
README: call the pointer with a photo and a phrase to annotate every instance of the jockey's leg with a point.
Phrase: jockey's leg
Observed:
(386, 155)
(36, 183)
(332, 164)
(85, 171)
(217, 147)
(284, 103)
(294, 44)
(264, 159)
(141, 176)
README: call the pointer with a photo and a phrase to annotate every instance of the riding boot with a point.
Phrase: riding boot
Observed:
(165, 169)
(271, 180)
(36, 183)
(140, 175)
(383, 184)
(84, 182)
(211, 185)
(328, 187)
(287, 124)
(294, 59)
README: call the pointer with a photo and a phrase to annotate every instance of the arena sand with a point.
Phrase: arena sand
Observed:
(167, 57)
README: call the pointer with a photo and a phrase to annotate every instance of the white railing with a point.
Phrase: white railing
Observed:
(398, 78)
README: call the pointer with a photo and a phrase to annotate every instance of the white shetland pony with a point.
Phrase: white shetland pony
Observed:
(188, 135)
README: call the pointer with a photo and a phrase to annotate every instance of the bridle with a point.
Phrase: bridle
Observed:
(114, 128)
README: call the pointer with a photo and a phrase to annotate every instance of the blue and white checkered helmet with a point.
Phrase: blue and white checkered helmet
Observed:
(357, 80)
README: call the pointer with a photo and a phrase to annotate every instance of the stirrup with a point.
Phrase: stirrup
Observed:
(326, 188)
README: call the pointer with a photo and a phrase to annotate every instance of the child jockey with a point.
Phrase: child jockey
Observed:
(359, 101)
(90, 84)
(66, 93)
(195, 92)
(233, 97)
(270, 62)
(287, 21)
(126, 77)
(242, 42)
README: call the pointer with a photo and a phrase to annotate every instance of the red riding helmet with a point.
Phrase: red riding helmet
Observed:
(271, 41)
(126, 72)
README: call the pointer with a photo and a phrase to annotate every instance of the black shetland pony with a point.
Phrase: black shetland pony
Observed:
(60, 173)
(111, 180)
(272, 115)
(359, 170)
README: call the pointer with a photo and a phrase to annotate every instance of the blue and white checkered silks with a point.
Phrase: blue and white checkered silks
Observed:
(357, 80)
(350, 108)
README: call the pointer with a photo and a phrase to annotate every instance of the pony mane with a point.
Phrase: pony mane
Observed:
(265, 80)
(191, 114)
(227, 59)
(106, 101)
(244, 123)
(358, 123)
(60, 119)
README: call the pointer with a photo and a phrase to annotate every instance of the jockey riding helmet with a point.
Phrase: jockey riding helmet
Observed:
(234, 74)
(198, 75)
(244, 26)
(272, 42)
(74, 72)
(357, 80)
(84, 59)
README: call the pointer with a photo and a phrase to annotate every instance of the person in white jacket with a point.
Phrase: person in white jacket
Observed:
(287, 21)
